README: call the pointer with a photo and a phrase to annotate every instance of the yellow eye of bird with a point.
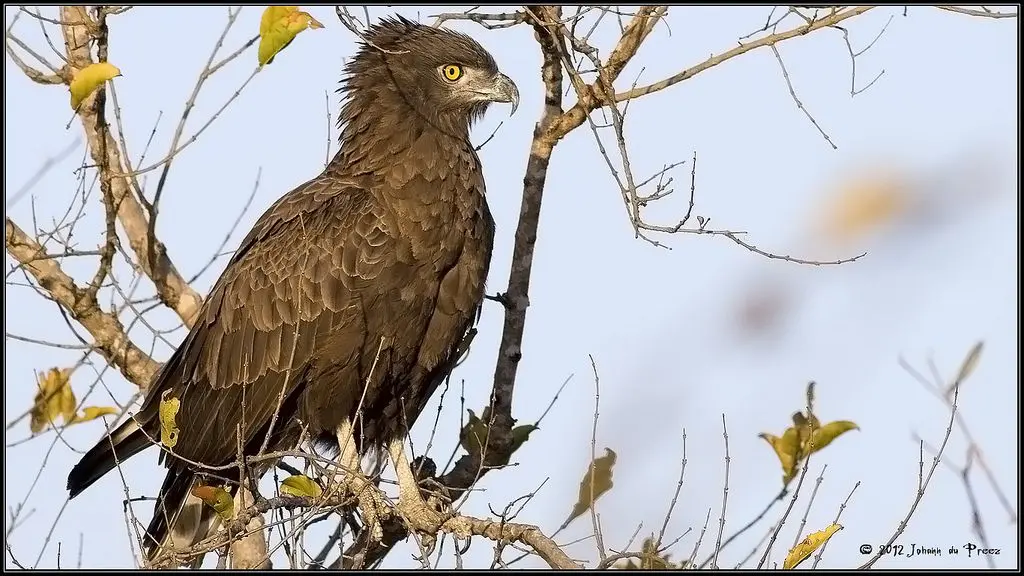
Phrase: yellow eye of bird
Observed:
(452, 72)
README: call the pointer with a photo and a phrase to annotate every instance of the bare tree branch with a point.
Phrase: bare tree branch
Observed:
(152, 255)
(459, 525)
(984, 13)
(770, 40)
(106, 329)
(799, 104)
(564, 51)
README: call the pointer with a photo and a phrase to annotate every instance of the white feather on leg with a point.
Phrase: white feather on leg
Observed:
(187, 527)
(351, 476)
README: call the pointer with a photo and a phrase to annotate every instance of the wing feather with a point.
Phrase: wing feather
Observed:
(288, 288)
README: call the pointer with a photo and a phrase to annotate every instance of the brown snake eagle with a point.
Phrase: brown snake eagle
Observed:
(344, 306)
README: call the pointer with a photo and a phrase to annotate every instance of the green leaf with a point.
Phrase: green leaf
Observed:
(473, 436)
(520, 434)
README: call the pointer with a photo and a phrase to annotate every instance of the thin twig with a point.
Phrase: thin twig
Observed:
(799, 104)
(810, 503)
(675, 497)
(725, 497)
(921, 491)
(839, 514)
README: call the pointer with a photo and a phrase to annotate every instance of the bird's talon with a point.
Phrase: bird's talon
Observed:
(420, 516)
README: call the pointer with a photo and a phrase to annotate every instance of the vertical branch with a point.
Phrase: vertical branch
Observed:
(517, 296)
(99, 104)
(516, 299)
(172, 289)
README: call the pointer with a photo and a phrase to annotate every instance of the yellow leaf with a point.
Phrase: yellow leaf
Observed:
(300, 485)
(805, 427)
(216, 498)
(66, 397)
(804, 437)
(88, 79)
(278, 27)
(92, 413)
(826, 434)
(168, 411)
(595, 483)
(787, 448)
(53, 399)
(804, 549)
(970, 363)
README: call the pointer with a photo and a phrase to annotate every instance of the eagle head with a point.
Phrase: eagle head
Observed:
(443, 75)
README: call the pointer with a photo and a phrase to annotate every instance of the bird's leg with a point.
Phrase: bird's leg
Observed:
(418, 514)
(351, 476)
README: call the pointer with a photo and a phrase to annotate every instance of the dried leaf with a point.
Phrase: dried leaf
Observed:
(216, 498)
(595, 483)
(88, 79)
(54, 399)
(278, 27)
(826, 434)
(299, 485)
(92, 413)
(168, 428)
(967, 368)
(805, 548)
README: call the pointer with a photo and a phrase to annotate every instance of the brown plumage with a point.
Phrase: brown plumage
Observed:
(379, 262)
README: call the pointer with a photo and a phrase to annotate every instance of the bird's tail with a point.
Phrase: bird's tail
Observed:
(126, 441)
(180, 519)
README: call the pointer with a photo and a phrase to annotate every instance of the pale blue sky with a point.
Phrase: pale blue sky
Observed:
(660, 324)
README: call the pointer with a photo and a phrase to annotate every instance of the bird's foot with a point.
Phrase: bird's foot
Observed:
(419, 515)
(352, 479)
(370, 505)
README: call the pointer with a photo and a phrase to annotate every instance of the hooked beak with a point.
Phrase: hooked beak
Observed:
(503, 89)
